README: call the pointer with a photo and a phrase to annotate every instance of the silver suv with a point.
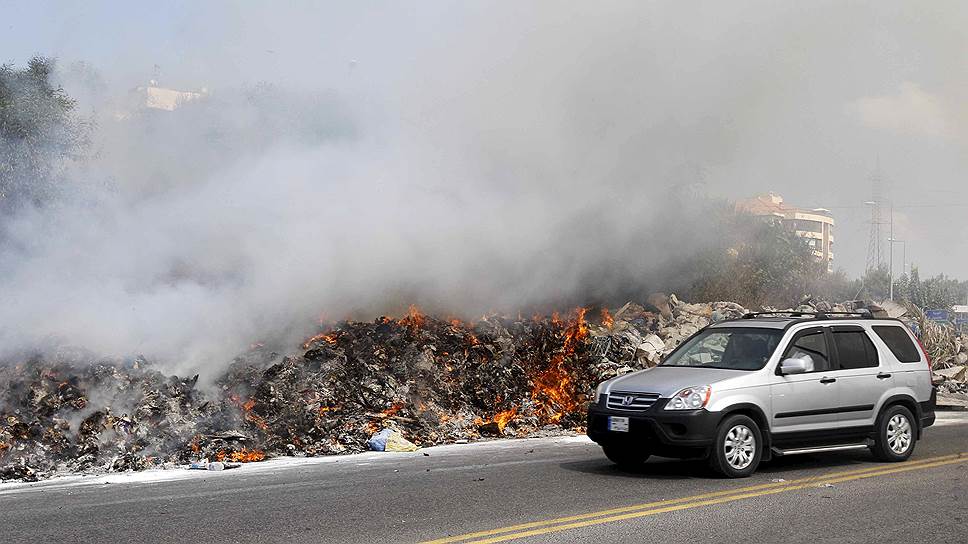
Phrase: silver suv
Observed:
(741, 391)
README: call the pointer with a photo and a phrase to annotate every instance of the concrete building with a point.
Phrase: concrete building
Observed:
(155, 97)
(815, 225)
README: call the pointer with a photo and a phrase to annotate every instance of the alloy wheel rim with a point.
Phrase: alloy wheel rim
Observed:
(899, 434)
(739, 447)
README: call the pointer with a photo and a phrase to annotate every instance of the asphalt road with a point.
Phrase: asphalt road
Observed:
(540, 490)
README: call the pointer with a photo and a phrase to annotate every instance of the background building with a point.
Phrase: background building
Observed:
(815, 225)
(153, 97)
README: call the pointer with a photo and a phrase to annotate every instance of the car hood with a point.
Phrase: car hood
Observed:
(669, 380)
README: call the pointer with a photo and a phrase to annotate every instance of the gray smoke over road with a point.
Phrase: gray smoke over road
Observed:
(465, 158)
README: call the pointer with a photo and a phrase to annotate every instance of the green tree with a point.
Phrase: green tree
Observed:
(873, 285)
(756, 262)
(40, 135)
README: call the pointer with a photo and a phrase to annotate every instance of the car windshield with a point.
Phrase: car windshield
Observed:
(730, 348)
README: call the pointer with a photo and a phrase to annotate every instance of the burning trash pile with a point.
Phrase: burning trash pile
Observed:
(56, 415)
(430, 380)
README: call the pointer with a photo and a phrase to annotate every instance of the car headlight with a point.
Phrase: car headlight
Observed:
(690, 398)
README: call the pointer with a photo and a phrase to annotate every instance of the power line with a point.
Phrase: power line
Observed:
(904, 206)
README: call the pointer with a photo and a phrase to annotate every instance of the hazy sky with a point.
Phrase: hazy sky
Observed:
(808, 95)
(494, 125)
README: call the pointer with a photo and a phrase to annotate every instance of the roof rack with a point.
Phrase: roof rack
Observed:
(862, 313)
(790, 313)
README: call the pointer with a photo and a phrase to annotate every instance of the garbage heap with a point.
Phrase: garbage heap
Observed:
(431, 380)
(435, 380)
(637, 337)
(71, 413)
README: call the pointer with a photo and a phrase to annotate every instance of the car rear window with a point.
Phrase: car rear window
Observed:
(855, 349)
(899, 342)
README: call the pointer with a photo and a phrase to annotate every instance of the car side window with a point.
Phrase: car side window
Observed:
(812, 345)
(855, 349)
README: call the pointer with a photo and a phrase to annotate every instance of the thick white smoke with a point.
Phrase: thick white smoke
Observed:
(462, 158)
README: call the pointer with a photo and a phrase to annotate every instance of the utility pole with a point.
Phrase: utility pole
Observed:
(890, 274)
(903, 243)
(875, 257)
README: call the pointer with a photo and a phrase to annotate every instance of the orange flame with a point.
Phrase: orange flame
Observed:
(247, 407)
(414, 319)
(392, 410)
(505, 417)
(242, 456)
(328, 337)
(373, 425)
(607, 318)
(554, 389)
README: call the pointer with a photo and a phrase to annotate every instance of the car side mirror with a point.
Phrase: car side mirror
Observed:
(796, 365)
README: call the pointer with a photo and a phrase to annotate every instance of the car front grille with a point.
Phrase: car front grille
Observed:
(625, 400)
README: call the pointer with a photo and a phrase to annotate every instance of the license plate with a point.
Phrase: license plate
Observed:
(620, 424)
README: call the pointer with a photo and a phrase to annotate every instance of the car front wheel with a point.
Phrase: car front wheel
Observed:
(738, 447)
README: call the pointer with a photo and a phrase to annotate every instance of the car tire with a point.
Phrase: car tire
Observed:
(896, 435)
(626, 458)
(738, 447)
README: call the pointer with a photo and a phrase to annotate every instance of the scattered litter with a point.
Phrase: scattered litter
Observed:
(396, 442)
(826, 485)
(777, 480)
(378, 442)
(205, 465)
(390, 440)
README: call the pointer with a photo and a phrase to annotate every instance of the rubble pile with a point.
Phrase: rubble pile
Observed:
(57, 415)
(426, 379)
(947, 348)
(636, 337)
(948, 351)
(432, 380)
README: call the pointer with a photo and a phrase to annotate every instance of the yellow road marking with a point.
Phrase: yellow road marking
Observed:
(670, 505)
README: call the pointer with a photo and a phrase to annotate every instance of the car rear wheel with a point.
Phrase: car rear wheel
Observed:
(738, 447)
(626, 458)
(896, 435)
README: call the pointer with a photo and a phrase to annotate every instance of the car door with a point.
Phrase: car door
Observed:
(861, 379)
(806, 402)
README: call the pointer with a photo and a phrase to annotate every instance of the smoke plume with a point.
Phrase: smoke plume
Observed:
(465, 159)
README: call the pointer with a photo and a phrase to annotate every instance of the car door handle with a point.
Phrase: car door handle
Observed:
(827, 380)
(883, 376)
